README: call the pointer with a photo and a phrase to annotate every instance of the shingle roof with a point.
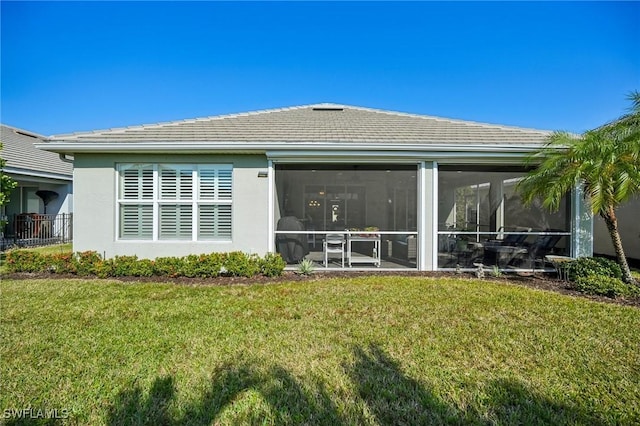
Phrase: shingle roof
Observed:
(326, 123)
(20, 153)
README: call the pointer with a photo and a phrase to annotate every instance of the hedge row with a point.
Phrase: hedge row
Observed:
(599, 276)
(235, 263)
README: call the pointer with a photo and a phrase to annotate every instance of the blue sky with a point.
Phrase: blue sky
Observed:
(92, 65)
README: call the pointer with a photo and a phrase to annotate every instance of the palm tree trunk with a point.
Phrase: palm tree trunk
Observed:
(611, 220)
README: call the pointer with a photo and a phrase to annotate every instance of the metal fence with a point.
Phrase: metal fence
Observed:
(31, 229)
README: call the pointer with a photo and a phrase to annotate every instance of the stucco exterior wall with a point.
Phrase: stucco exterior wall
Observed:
(629, 227)
(95, 182)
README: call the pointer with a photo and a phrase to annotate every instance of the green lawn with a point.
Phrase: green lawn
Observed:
(366, 350)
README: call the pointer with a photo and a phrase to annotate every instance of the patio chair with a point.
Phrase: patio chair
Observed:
(504, 251)
(514, 240)
(541, 247)
(333, 244)
(292, 247)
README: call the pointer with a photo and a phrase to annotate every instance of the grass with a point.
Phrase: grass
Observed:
(366, 350)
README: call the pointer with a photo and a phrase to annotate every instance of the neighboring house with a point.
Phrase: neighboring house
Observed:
(627, 215)
(45, 186)
(395, 190)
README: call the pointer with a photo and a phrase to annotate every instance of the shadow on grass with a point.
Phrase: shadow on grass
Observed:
(395, 399)
(391, 398)
(288, 401)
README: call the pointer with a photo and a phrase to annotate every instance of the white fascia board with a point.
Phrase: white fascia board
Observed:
(442, 157)
(294, 147)
(36, 174)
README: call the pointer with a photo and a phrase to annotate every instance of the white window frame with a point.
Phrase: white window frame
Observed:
(220, 194)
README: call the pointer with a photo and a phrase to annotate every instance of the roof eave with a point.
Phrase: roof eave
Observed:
(63, 147)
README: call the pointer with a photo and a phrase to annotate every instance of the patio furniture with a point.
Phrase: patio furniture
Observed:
(405, 249)
(541, 247)
(501, 252)
(292, 247)
(560, 263)
(355, 257)
(333, 244)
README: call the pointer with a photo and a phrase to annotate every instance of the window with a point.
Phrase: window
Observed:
(174, 201)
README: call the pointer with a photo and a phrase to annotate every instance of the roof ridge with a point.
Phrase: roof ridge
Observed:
(117, 130)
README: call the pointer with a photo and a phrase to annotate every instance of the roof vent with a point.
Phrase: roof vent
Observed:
(327, 109)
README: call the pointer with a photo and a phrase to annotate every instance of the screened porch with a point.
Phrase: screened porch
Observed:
(347, 216)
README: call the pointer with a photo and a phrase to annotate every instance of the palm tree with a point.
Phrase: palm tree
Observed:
(605, 162)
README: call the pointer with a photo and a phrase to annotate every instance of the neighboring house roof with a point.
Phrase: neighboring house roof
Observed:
(336, 125)
(23, 158)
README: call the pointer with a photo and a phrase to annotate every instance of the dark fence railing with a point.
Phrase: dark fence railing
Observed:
(32, 229)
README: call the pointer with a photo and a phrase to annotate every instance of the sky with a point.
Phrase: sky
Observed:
(81, 66)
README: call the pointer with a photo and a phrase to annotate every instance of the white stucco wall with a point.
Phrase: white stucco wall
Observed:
(629, 227)
(95, 180)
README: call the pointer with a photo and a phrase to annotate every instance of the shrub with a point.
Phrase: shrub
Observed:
(272, 265)
(25, 261)
(586, 266)
(603, 285)
(86, 262)
(204, 265)
(168, 266)
(123, 266)
(91, 263)
(239, 264)
(60, 263)
(306, 267)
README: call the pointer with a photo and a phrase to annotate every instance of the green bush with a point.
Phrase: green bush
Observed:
(239, 264)
(86, 262)
(168, 266)
(272, 265)
(60, 263)
(125, 266)
(306, 267)
(586, 266)
(603, 285)
(25, 261)
(91, 263)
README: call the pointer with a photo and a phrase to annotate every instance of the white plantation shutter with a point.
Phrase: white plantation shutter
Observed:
(215, 222)
(176, 221)
(180, 199)
(137, 182)
(136, 221)
(176, 183)
(214, 211)
(224, 183)
(215, 183)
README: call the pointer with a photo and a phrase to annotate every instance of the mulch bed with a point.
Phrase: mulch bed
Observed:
(537, 281)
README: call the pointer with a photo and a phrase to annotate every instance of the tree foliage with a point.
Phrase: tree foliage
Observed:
(605, 162)
(6, 183)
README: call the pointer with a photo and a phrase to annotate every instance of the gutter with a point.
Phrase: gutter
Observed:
(63, 157)
(262, 148)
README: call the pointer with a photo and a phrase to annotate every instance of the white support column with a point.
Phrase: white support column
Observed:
(581, 225)
(270, 203)
(428, 216)
(496, 204)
